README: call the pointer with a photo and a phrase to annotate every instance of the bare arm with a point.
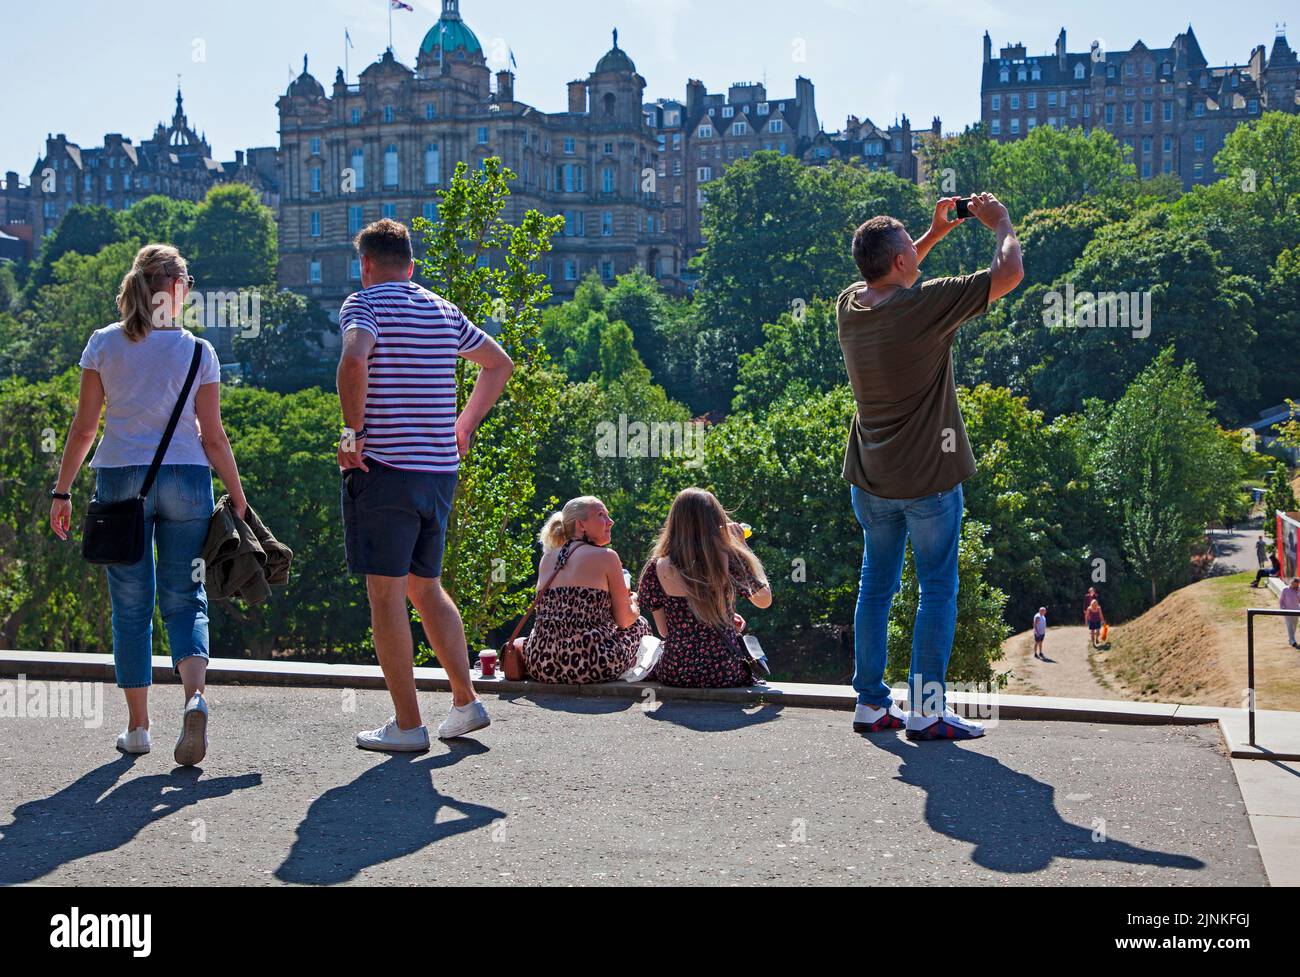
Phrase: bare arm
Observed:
(939, 227)
(1006, 270)
(497, 367)
(624, 602)
(81, 435)
(353, 379)
(216, 445)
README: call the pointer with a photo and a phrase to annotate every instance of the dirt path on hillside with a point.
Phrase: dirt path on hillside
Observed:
(1067, 672)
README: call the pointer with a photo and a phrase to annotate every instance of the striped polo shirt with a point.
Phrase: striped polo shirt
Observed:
(411, 395)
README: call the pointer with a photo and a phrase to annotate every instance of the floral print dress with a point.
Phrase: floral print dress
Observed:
(575, 640)
(695, 654)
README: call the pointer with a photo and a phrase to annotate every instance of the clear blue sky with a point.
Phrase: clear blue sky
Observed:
(84, 67)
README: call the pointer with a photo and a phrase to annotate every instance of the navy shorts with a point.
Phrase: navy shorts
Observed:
(395, 520)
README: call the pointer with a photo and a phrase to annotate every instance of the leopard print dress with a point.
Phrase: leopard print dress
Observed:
(575, 640)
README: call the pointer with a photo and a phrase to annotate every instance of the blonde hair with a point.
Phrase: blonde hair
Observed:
(706, 555)
(562, 526)
(154, 265)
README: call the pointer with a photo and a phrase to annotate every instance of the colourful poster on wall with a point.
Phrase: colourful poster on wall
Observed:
(1288, 537)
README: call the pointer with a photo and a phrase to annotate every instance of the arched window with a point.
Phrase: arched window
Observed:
(609, 103)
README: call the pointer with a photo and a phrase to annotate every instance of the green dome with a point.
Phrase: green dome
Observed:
(450, 35)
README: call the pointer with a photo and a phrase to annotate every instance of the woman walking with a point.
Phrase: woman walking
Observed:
(1095, 618)
(588, 625)
(133, 371)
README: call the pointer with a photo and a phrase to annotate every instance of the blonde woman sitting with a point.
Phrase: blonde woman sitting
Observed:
(588, 624)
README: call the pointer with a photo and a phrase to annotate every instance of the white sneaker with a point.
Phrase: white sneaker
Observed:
(464, 719)
(949, 726)
(134, 741)
(871, 719)
(192, 744)
(391, 738)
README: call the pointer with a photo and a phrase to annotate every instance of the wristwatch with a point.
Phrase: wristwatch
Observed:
(56, 494)
(356, 435)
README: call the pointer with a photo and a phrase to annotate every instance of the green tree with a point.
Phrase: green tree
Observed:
(1052, 167)
(161, 220)
(1278, 496)
(801, 352)
(232, 239)
(85, 229)
(286, 351)
(490, 531)
(1262, 157)
(1164, 470)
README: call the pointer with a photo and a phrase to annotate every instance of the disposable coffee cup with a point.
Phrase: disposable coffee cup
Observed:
(487, 659)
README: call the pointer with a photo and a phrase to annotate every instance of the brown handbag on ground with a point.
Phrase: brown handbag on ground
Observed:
(512, 659)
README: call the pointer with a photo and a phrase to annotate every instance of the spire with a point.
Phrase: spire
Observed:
(616, 37)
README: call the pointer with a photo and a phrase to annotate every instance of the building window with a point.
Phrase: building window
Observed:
(1252, 106)
(359, 168)
(575, 223)
(569, 145)
(1200, 109)
(1167, 110)
(315, 223)
(356, 116)
(356, 221)
(607, 179)
(315, 145)
(570, 271)
(609, 148)
(997, 103)
(315, 179)
(1031, 123)
(1198, 171)
(1167, 144)
(388, 211)
(313, 271)
(390, 166)
(1128, 113)
(1015, 103)
(705, 132)
(728, 111)
(108, 181)
(704, 174)
(354, 269)
(1004, 75)
(740, 129)
(1146, 145)
(1015, 125)
(607, 223)
(996, 127)
(389, 115)
(762, 108)
(776, 125)
(607, 270)
(1146, 113)
(482, 135)
(1078, 71)
(1032, 100)
(428, 110)
(1198, 142)
(1110, 114)
(433, 165)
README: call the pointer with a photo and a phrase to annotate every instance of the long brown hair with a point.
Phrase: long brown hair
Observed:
(151, 273)
(706, 555)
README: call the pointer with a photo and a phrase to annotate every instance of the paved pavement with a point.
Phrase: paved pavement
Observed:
(566, 790)
(1234, 553)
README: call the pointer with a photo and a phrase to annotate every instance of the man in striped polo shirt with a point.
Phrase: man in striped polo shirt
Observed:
(399, 455)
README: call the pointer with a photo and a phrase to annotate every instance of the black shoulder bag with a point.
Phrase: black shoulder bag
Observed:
(114, 531)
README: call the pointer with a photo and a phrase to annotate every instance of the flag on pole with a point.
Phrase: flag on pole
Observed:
(347, 37)
(512, 59)
(398, 5)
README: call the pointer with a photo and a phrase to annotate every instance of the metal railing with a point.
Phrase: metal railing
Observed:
(1251, 613)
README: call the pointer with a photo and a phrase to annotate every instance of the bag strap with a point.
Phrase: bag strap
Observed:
(549, 580)
(172, 421)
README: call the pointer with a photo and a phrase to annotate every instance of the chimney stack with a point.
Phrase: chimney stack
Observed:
(505, 86)
(578, 97)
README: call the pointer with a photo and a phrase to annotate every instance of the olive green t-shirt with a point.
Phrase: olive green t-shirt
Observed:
(907, 438)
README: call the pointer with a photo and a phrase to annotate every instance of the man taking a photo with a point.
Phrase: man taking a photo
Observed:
(907, 452)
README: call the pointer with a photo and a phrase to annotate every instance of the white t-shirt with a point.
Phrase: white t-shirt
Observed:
(142, 380)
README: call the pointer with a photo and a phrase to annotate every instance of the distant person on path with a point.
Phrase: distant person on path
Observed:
(1040, 632)
(1095, 618)
(1261, 551)
(588, 625)
(698, 568)
(399, 457)
(1088, 598)
(134, 371)
(907, 452)
(1273, 569)
(1290, 601)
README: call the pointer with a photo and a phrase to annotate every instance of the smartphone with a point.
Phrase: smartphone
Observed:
(963, 208)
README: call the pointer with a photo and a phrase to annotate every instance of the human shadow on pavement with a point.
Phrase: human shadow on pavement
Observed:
(1008, 816)
(94, 814)
(388, 812)
(713, 717)
(591, 704)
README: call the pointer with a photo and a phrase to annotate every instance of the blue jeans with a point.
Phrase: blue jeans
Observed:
(176, 512)
(934, 524)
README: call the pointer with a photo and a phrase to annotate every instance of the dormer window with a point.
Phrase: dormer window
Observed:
(762, 108)
(705, 132)
(1004, 75)
(1020, 74)
(1037, 73)
(1078, 71)
(728, 111)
